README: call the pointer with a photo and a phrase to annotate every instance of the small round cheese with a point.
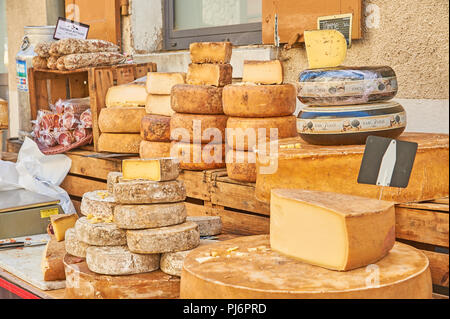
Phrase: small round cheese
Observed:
(207, 225)
(75, 247)
(101, 234)
(98, 203)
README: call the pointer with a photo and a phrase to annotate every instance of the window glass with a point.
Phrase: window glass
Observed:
(3, 38)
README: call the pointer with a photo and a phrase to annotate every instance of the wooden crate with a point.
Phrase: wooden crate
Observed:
(48, 86)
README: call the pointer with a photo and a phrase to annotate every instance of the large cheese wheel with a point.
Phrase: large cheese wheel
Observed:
(336, 169)
(118, 260)
(101, 234)
(121, 119)
(119, 143)
(241, 166)
(154, 149)
(199, 157)
(149, 192)
(74, 246)
(252, 272)
(243, 134)
(195, 128)
(164, 240)
(155, 128)
(197, 99)
(81, 283)
(259, 100)
(98, 204)
(149, 216)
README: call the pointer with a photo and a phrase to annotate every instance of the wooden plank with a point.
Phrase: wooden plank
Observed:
(427, 206)
(441, 201)
(438, 296)
(124, 74)
(143, 69)
(78, 186)
(33, 95)
(77, 204)
(78, 85)
(241, 223)
(439, 265)
(196, 184)
(422, 226)
(93, 167)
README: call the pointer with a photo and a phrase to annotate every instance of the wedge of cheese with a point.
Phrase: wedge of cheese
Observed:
(211, 52)
(161, 83)
(210, 74)
(334, 231)
(325, 48)
(158, 170)
(263, 72)
(52, 265)
(61, 223)
(159, 105)
(134, 94)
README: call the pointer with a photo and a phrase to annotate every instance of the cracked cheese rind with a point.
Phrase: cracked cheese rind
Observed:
(101, 234)
(98, 203)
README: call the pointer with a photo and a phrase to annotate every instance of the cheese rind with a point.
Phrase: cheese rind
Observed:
(149, 192)
(61, 223)
(102, 234)
(158, 169)
(119, 143)
(207, 225)
(199, 157)
(197, 99)
(134, 94)
(154, 149)
(325, 48)
(158, 105)
(155, 128)
(334, 231)
(121, 119)
(211, 52)
(201, 128)
(118, 260)
(263, 72)
(161, 83)
(251, 273)
(149, 216)
(259, 100)
(113, 178)
(52, 265)
(73, 246)
(163, 240)
(210, 74)
(241, 166)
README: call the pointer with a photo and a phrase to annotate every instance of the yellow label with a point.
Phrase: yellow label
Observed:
(45, 213)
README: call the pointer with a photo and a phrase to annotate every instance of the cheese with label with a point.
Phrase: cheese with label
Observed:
(331, 230)
(52, 265)
(119, 143)
(121, 119)
(199, 157)
(241, 166)
(161, 83)
(149, 192)
(118, 260)
(155, 128)
(61, 223)
(198, 128)
(259, 100)
(164, 240)
(325, 48)
(73, 246)
(263, 72)
(245, 133)
(197, 99)
(98, 203)
(134, 94)
(207, 225)
(336, 169)
(101, 234)
(154, 149)
(210, 74)
(81, 283)
(158, 169)
(149, 216)
(158, 105)
(211, 52)
(253, 271)
(113, 178)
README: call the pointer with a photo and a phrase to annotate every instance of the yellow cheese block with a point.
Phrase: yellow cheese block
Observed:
(210, 74)
(254, 271)
(150, 150)
(159, 105)
(158, 170)
(263, 72)
(134, 94)
(161, 83)
(325, 48)
(334, 231)
(211, 52)
(121, 119)
(61, 223)
(119, 143)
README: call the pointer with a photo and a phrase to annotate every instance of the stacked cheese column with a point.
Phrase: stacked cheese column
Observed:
(260, 110)
(120, 121)
(198, 127)
(155, 126)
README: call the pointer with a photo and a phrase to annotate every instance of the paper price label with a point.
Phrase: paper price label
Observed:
(46, 213)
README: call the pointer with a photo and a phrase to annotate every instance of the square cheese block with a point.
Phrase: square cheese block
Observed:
(325, 48)
(334, 231)
(159, 105)
(210, 74)
(61, 223)
(134, 94)
(158, 170)
(119, 143)
(121, 119)
(263, 72)
(211, 52)
(162, 83)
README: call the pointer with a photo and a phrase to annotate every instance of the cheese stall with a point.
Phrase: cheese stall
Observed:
(200, 184)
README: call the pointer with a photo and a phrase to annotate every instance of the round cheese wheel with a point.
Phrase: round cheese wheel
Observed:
(155, 128)
(119, 143)
(199, 157)
(163, 240)
(197, 99)
(98, 204)
(259, 100)
(197, 128)
(243, 134)
(150, 150)
(118, 260)
(101, 234)
(253, 271)
(207, 225)
(241, 166)
(149, 216)
(121, 119)
(73, 245)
